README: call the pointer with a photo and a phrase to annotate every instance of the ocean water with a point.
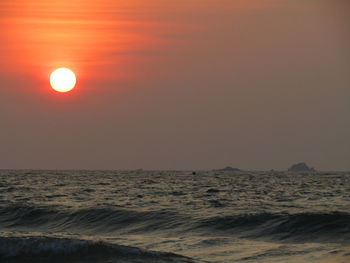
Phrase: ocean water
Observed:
(174, 216)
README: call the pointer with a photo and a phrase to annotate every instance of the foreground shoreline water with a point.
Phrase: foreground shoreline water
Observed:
(206, 217)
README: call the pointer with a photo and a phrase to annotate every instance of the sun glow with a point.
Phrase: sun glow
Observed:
(62, 80)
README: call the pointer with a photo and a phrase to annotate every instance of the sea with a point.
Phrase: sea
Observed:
(174, 216)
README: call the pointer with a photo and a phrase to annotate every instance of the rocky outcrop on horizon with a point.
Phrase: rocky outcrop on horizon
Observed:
(301, 167)
(229, 169)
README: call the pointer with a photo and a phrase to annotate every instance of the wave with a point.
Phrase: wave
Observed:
(321, 227)
(93, 220)
(327, 227)
(48, 249)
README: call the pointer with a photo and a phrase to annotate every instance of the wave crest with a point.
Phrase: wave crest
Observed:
(322, 227)
(48, 249)
(333, 226)
(92, 220)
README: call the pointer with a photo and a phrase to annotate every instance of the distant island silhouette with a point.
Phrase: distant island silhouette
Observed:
(229, 169)
(301, 167)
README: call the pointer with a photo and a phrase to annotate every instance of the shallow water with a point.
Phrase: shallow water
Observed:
(174, 216)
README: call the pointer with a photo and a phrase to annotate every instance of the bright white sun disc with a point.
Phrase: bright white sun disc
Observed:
(62, 80)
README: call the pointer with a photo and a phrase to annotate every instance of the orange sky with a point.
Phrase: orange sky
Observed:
(83, 35)
(90, 36)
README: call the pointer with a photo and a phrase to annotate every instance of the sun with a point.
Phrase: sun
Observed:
(63, 79)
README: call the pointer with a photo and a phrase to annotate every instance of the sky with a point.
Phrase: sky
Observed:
(186, 84)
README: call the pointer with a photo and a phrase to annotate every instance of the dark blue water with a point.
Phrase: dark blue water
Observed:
(174, 216)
